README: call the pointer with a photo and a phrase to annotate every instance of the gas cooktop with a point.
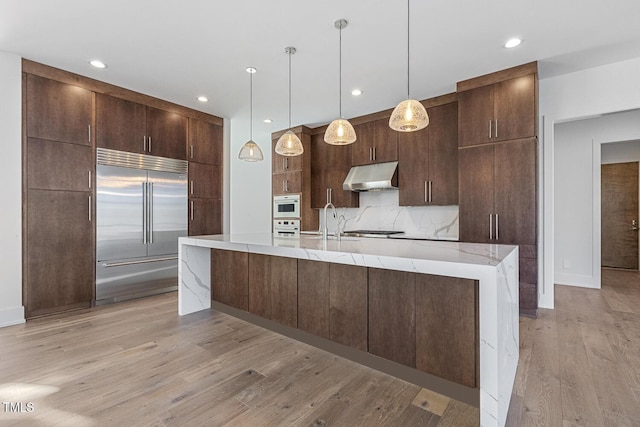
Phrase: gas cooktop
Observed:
(371, 233)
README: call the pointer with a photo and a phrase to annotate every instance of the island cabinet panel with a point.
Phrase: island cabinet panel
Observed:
(287, 183)
(428, 160)
(392, 315)
(58, 111)
(205, 142)
(376, 143)
(446, 327)
(230, 278)
(348, 305)
(502, 111)
(120, 124)
(54, 165)
(273, 290)
(129, 126)
(313, 297)
(329, 168)
(205, 216)
(59, 251)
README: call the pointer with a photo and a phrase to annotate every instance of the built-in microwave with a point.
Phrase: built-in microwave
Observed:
(286, 206)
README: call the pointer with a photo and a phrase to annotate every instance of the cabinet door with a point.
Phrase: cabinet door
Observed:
(58, 111)
(273, 288)
(230, 278)
(120, 124)
(282, 164)
(59, 166)
(476, 185)
(205, 142)
(475, 115)
(392, 315)
(443, 154)
(385, 142)
(59, 251)
(166, 134)
(205, 216)
(446, 328)
(515, 187)
(287, 183)
(348, 305)
(361, 150)
(515, 108)
(413, 152)
(329, 167)
(313, 297)
(205, 181)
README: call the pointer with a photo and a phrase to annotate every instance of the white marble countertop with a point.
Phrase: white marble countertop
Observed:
(393, 254)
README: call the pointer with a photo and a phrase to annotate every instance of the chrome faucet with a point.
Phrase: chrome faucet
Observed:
(325, 229)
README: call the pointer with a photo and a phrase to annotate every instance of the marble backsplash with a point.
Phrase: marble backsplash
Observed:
(379, 210)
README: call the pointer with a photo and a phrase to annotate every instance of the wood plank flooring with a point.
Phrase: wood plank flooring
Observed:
(138, 363)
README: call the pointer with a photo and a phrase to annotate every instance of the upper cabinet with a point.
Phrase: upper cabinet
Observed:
(205, 142)
(129, 126)
(281, 164)
(428, 160)
(329, 167)
(502, 111)
(376, 143)
(63, 111)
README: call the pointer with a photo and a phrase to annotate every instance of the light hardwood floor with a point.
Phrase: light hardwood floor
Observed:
(138, 363)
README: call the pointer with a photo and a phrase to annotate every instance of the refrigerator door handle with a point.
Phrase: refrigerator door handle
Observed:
(144, 213)
(150, 213)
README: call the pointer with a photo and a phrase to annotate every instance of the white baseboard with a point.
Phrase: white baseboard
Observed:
(580, 280)
(11, 316)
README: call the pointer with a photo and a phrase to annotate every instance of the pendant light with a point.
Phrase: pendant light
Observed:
(409, 115)
(340, 131)
(289, 144)
(250, 151)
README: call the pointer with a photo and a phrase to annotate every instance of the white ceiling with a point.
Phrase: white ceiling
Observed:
(177, 50)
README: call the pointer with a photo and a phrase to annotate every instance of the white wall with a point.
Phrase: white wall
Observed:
(577, 215)
(628, 151)
(580, 95)
(11, 309)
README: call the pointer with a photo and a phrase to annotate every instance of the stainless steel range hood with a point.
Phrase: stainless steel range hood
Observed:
(379, 176)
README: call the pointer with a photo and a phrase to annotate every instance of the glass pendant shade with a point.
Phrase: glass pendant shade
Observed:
(340, 132)
(289, 145)
(250, 152)
(409, 116)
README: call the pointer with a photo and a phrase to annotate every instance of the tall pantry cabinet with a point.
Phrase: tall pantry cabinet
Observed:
(497, 164)
(65, 117)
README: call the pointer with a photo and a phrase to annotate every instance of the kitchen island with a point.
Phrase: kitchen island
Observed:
(417, 300)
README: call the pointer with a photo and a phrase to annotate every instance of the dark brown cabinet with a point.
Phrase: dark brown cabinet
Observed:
(205, 216)
(499, 112)
(287, 183)
(230, 278)
(446, 327)
(58, 111)
(59, 251)
(205, 180)
(392, 315)
(329, 168)
(273, 288)
(376, 143)
(55, 165)
(205, 142)
(281, 164)
(428, 160)
(128, 126)
(332, 302)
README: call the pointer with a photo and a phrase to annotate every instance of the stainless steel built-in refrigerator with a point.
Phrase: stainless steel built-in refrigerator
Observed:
(141, 210)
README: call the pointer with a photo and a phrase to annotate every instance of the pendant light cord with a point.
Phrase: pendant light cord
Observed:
(340, 74)
(289, 53)
(251, 106)
(408, 32)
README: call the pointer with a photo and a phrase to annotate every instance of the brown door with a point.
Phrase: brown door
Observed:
(443, 154)
(476, 184)
(515, 109)
(205, 142)
(413, 174)
(620, 215)
(166, 134)
(120, 124)
(475, 113)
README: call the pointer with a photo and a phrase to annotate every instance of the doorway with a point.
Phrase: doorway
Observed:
(619, 207)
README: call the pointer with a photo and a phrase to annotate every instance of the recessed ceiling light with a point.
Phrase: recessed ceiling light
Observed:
(203, 99)
(98, 64)
(512, 43)
(268, 121)
(356, 92)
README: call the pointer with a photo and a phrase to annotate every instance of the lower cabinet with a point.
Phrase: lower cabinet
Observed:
(332, 302)
(273, 288)
(230, 278)
(59, 254)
